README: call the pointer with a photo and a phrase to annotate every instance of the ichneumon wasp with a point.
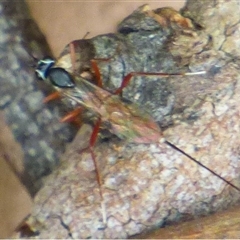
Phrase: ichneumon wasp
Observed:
(124, 119)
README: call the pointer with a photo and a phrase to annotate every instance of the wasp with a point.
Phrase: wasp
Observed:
(122, 118)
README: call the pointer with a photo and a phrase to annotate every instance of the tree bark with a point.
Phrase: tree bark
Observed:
(34, 125)
(149, 185)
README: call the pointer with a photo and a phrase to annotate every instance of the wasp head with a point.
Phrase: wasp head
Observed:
(57, 76)
(43, 67)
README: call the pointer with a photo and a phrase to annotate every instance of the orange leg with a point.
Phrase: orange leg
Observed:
(96, 70)
(89, 148)
(52, 96)
(92, 142)
(72, 115)
(130, 75)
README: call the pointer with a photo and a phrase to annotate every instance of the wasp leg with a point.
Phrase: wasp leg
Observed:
(74, 117)
(92, 142)
(96, 69)
(129, 76)
(52, 96)
(71, 116)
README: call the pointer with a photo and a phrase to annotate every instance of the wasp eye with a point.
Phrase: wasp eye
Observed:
(59, 77)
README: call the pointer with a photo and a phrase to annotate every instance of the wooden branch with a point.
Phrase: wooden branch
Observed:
(222, 225)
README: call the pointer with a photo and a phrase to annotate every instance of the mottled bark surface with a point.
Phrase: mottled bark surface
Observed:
(148, 185)
(34, 125)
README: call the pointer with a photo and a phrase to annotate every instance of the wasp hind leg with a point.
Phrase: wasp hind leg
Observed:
(89, 148)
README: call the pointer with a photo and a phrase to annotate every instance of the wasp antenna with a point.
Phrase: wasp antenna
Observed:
(35, 60)
(32, 65)
(86, 34)
(33, 57)
(202, 165)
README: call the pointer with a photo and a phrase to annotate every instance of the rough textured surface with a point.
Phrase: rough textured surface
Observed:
(142, 45)
(146, 186)
(222, 225)
(33, 124)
